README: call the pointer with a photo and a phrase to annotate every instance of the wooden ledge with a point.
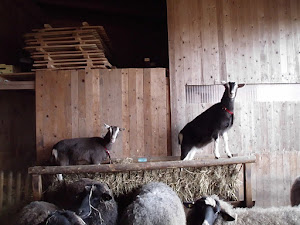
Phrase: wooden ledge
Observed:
(107, 168)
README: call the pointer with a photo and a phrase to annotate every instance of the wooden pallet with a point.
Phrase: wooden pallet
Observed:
(69, 47)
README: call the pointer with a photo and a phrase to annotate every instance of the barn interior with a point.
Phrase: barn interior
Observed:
(167, 61)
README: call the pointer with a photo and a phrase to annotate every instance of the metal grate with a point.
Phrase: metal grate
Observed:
(250, 92)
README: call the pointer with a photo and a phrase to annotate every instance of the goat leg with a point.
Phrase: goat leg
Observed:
(216, 150)
(225, 138)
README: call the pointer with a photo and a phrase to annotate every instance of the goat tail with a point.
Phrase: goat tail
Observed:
(180, 138)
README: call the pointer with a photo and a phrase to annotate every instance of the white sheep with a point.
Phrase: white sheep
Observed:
(284, 215)
(155, 204)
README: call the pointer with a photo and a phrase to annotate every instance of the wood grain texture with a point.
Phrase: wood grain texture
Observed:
(250, 42)
(77, 103)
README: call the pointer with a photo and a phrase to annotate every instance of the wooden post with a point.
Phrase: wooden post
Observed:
(9, 188)
(247, 185)
(27, 187)
(37, 187)
(18, 188)
(1, 189)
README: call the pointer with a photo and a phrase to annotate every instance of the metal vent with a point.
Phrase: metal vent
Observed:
(250, 92)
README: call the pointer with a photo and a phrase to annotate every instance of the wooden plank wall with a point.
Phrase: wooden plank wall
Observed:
(250, 42)
(77, 103)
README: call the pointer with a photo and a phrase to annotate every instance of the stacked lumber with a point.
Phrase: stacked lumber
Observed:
(69, 47)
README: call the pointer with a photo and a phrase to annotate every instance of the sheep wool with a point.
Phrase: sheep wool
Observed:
(156, 204)
(285, 215)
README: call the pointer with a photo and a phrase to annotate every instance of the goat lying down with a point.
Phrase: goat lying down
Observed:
(213, 211)
(210, 125)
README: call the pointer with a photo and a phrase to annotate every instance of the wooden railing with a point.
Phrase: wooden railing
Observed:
(15, 188)
(246, 161)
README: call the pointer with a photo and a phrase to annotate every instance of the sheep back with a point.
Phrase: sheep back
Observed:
(35, 213)
(156, 204)
(284, 215)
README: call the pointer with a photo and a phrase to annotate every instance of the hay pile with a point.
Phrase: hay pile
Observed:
(189, 183)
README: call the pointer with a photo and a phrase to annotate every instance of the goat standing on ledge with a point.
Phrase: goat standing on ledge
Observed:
(79, 151)
(210, 125)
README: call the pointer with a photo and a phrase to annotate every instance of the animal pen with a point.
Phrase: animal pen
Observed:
(251, 42)
(135, 99)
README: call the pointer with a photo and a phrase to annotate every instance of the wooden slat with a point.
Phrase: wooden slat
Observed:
(10, 188)
(139, 166)
(17, 85)
(37, 186)
(132, 102)
(82, 89)
(125, 112)
(71, 68)
(27, 192)
(140, 120)
(18, 187)
(147, 112)
(1, 189)
(98, 51)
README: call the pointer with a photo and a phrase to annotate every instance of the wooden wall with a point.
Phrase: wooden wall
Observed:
(17, 129)
(252, 42)
(73, 104)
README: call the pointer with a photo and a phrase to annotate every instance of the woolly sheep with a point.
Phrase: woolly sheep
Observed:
(155, 204)
(73, 196)
(40, 212)
(98, 205)
(295, 192)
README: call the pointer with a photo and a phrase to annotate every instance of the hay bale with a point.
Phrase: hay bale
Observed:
(188, 183)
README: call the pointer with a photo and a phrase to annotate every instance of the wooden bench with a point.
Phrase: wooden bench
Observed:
(246, 161)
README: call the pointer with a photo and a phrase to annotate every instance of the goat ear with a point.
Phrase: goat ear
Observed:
(106, 126)
(189, 205)
(121, 129)
(88, 187)
(241, 85)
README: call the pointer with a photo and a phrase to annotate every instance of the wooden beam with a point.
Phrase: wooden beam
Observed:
(17, 76)
(139, 166)
(17, 85)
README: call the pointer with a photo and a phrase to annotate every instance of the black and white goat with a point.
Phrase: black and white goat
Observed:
(205, 211)
(89, 150)
(210, 125)
(214, 211)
